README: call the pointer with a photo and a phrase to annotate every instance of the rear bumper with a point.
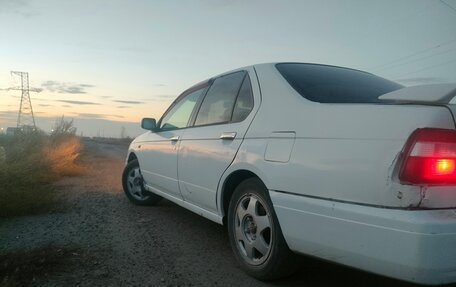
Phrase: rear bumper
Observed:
(417, 246)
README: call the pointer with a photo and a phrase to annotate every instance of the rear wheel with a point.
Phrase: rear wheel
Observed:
(255, 235)
(133, 185)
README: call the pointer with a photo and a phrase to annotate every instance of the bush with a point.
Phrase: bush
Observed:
(63, 149)
(63, 129)
(24, 176)
(31, 163)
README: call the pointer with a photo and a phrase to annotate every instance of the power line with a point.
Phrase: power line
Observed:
(416, 60)
(414, 54)
(448, 5)
(429, 67)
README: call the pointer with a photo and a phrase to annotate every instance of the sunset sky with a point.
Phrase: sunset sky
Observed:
(107, 64)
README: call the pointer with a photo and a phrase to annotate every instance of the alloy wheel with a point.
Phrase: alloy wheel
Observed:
(135, 184)
(253, 229)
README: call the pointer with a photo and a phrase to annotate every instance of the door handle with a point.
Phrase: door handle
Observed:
(228, 136)
(174, 138)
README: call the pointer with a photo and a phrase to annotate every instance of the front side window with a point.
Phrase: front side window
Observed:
(218, 104)
(179, 115)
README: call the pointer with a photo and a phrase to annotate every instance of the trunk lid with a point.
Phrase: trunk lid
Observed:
(423, 94)
(436, 94)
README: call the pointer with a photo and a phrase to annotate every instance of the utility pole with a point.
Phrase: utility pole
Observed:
(25, 118)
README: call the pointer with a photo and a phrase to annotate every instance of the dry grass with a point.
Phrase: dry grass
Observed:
(62, 157)
(31, 162)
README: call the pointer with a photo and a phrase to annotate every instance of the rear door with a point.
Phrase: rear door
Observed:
(210, 145)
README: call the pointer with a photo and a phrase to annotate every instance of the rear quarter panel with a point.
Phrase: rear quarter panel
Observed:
(345, 152)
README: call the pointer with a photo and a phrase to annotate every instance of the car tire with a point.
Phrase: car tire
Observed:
(133, 186)
(255, 235)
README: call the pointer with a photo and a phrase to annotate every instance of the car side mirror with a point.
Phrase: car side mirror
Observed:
(149, 124)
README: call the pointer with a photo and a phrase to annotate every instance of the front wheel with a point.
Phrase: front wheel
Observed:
(255, 235)
(133, 186)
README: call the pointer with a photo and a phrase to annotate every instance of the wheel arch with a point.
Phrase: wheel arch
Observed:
(229, 185)
(131, 156)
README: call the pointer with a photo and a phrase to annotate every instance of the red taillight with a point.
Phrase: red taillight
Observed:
(429, 158)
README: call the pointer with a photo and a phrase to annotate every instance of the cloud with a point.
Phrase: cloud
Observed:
(421, 80)
(97, 116)
(91, 116)
(160, 98)
(18, 88)
(19, 7)
(106, 97)
(159, 85)
(8, 115)
(38, 99)
(165, 96)
(123, 107)
(77, 102)
(65, 88)
(3, 113)
(217, 4)
(44, 105)
(128, 102)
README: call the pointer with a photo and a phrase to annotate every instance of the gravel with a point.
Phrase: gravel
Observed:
(126, 245)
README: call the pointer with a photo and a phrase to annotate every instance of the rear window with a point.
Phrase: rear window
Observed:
(328, 84)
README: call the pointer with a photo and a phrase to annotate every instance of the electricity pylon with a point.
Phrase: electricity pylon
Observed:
(25, 118)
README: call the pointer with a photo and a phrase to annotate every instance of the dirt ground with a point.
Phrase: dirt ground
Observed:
(111, 242)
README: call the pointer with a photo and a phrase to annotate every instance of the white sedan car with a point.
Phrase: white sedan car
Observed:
(325, 161)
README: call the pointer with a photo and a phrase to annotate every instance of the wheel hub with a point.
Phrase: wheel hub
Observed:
(137, 181)
(250, 228)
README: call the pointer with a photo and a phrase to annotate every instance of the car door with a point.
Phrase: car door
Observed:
(209, 146)
(158, 153)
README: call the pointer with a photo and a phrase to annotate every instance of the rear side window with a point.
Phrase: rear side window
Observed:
(244, 102)
(328, 84)
(218, 104)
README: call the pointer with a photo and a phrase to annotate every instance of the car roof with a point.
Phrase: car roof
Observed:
(207, 81)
